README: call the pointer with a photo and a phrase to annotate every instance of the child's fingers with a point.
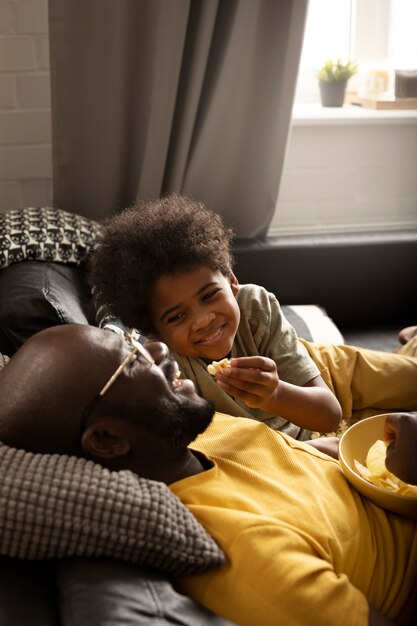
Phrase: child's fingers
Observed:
(254, 380)
(250, 398)
(253, 387)
(245, 378)
(254, 362)
(236, 386)
(252, 369)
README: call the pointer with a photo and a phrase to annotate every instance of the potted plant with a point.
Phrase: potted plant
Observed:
(333, 77)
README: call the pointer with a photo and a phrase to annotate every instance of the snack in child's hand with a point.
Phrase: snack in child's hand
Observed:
(377, 474)
(216, 366)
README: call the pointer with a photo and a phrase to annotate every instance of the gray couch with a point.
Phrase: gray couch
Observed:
(362, 282)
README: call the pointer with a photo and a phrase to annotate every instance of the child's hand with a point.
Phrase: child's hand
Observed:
(253, 379)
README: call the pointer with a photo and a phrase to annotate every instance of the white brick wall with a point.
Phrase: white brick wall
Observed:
(25, 107)
(354, 171)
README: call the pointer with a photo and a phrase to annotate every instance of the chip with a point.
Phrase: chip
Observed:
(216, 366)
(376, 472)
(375, 459)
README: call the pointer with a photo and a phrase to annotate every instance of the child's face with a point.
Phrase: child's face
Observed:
(195, 312)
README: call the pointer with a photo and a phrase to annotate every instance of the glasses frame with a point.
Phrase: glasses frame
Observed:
(137, 348)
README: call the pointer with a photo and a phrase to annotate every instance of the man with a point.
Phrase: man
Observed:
(302, 545)
(55, 506)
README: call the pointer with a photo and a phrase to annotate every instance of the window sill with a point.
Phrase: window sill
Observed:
(313, 114)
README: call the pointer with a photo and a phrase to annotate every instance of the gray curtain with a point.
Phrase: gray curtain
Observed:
(153, 96)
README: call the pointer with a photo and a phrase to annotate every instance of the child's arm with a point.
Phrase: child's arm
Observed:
(255, 380)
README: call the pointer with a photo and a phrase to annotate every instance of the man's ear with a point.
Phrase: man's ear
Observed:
(234, 283)
(104, 439)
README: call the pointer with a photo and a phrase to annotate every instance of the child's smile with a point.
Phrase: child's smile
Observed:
(214, 337)
(196, 313)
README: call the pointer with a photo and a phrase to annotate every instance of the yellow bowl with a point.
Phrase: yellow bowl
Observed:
(354, 444)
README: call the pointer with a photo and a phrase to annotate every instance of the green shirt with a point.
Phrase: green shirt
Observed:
(263, 330)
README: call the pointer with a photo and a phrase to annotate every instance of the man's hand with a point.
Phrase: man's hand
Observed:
(401, 433)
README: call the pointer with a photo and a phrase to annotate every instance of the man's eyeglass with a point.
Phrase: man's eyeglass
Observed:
(137, 348)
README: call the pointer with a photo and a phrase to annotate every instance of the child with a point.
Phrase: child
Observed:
(165, 267)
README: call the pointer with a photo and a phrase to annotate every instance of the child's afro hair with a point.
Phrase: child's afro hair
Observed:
(154, 238)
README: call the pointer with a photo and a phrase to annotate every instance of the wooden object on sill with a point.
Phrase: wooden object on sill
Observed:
(381, 104)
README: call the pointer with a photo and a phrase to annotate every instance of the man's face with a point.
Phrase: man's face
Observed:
(152, 397)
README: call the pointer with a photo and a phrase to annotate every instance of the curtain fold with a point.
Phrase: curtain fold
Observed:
(152, 96)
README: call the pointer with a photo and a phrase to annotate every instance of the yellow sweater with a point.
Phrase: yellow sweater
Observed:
(303, 546)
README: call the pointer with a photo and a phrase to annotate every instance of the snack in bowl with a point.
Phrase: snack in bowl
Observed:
(376, 472)
(354, 446)
(216, 366)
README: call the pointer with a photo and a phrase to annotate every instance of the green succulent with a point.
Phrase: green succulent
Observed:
(336, 70)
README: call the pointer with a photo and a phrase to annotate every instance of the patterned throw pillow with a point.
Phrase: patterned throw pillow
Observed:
(45, 234)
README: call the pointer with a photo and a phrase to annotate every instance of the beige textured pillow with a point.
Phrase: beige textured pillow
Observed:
(54, 506)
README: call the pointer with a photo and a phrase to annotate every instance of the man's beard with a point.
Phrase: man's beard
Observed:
(179, 424)
(177, 420)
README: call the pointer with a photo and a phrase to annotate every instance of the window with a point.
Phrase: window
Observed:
(379, 34)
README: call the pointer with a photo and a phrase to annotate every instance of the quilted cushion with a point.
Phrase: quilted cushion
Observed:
(54, 506)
